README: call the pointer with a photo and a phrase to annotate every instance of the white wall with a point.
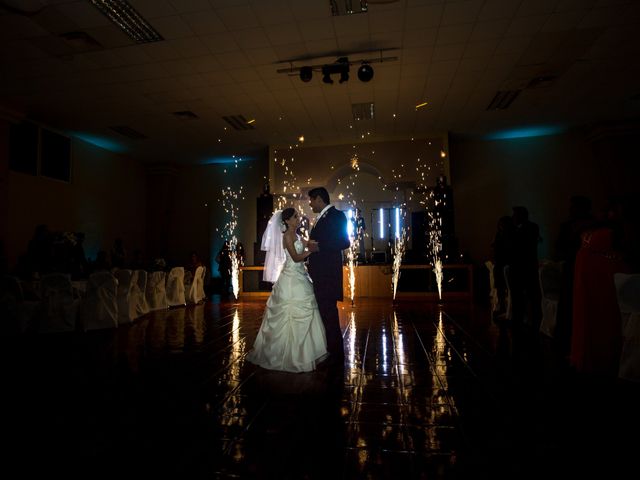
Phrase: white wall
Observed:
(105, 199)
(197, 217)
(541, 173)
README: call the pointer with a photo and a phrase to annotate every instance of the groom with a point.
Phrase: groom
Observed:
(327, 240)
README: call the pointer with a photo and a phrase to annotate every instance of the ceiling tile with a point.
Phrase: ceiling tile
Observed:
(526, 25)
(498, 10)
(461, 12)
(84, 15)
(318, 29)
(219, 43)
(151, 9)
(536, 7)
(272, 12)
(423, 17)
(448, 52)
(172, 27)
(454, 34)
(420, 38)
(283, 34)
(386, 21)
(238, 17)
(250, 38)
(490, 30)
(351, 25)
(261, 56)
(563, 21)
(204, 23)
(233, 60)
(186, 6)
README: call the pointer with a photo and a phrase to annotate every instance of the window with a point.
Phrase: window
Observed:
(35, 150)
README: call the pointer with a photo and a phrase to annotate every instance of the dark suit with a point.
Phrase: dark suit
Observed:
(325, 269)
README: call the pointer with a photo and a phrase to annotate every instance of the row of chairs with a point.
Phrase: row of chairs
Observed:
(107, 300)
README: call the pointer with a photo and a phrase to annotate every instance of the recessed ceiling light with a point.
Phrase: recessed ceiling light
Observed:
(128, 19)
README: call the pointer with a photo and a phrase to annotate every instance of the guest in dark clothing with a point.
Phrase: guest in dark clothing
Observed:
(79, 267)
(40, 251)
(523, 271)
(194, 263)
(224, 266)
(569, 241)
(102, 262)
(596, 336)
(118, 254)
(502, 254)
(137, 262)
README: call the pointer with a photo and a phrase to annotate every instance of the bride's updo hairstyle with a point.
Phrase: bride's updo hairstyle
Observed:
(287, 213)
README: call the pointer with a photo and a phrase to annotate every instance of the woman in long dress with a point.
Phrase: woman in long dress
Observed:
(292, 336)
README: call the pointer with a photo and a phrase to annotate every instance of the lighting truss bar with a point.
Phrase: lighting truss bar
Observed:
(318, 68)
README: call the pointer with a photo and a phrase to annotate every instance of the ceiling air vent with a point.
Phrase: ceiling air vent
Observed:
(503, 99)
(128, 132)
(362, 111)
(542, 81)
(186, 114)
(81, 41)
(238, 122)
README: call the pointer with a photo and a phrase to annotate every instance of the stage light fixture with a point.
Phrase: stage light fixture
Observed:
(365, 72)
(306, 73)
(341, 66)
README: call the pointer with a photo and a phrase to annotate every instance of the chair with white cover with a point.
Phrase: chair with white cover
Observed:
(200, 295)
(156, 291)
(139, 292)
(175, 287)
(126, 302)
(191, 288)
(628, 293)
(59, 307)
(99, 307)
(550, 274)
(17, 313)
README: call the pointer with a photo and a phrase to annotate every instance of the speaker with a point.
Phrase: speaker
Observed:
(264, 210)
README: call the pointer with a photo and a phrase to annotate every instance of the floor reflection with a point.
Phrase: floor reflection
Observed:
(418, 397)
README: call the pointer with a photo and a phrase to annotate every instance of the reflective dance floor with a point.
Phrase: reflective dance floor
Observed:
(427, 391)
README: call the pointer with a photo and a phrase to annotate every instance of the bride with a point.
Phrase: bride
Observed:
(291, 337)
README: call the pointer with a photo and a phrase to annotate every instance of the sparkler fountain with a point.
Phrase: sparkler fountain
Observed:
(398, 253)
(435, 243)
(229, 200)
(433, 206)
(400, 237)
(355, 231)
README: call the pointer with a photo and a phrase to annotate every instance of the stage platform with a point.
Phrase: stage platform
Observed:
(374, 281)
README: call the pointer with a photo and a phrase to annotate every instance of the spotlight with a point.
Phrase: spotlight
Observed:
(306, 73)
(326, 75)
(365, 72)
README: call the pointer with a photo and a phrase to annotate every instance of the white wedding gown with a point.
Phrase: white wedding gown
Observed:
(292, 336)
